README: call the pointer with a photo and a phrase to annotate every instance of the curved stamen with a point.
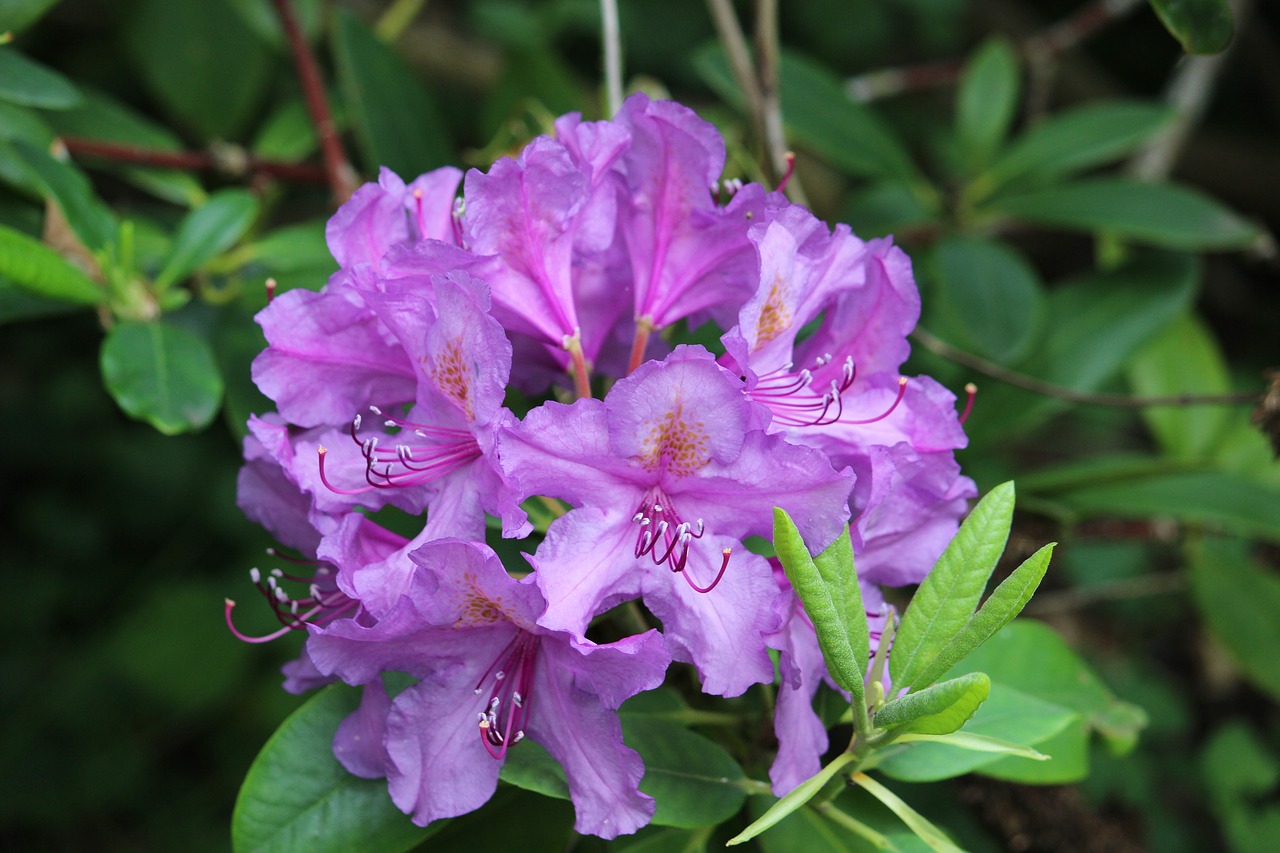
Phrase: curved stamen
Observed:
(972, 391)
(724, 564)
(902, 390)
(322, 603)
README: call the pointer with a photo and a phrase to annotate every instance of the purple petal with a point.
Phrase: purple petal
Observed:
(358, 743)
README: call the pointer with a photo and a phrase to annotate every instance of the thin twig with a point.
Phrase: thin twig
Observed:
(775, 139)
(1053, 40)
(612, 36)
(735, 48)
(228, 160)
(342, 177)
(1071, 395)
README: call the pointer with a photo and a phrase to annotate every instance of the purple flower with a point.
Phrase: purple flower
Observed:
(670, 472)
(388, 213)
(491, 676)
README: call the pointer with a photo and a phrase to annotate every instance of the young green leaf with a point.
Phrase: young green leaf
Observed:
(831, 599)
(35, 267)
(976, 743)
(987, 100)
(209, 229)
(937, 710)
(798, 796)
(163, 374)
(998, 610)
(297, 797)
(915, 821)
(950, 593)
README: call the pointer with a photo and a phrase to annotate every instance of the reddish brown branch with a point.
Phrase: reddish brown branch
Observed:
(228, 160)
(1053, 40)
(341, 176)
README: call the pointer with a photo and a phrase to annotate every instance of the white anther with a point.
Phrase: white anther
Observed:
(644, 520)
(657, 507)
(519, 737)
(375, 410)
(402, 451)
(277, 573)
(661, 528)
(517, 699)
(255, 576)
(477, 692)
(389, 424)
(293, 608)
(639, 516)
(646, 541)
(355, 422)
(499, 675)
(701, 527)
(281, 594)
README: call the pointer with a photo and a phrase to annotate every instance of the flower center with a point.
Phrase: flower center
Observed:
(509, 679)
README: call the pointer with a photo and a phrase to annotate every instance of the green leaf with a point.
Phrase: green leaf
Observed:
(1009, 715)
(533, 768)
(694, 781)
(797, 797)
(33, 266)
(665, 839)
(394, 116)
(297, 797)
(885, 208)
(990, 299)
(288, 135)
(1030, 657)
(512, 820)
(937, 710)
(201, 61)
(1074, 140)
(103, 118)
(1217, 499)
(88, 217)
(1201, 26)
(1183, 358)
(17, 304)
(32, 85)
(162, 374)
(987, 100)
(949, 594)
(205, 232)
(262, 18)
(816, 110)
(1240, 770)
(1239, 601)
(1163, 215)
(998, 610)
(915, 821)
(17, 15)
(828, 588)
(1098, 322)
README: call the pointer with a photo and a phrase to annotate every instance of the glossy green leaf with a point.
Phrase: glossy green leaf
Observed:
(394, 116)
(1099, 321)
(828, 587)
(1030, 657)
(1163, 215)
(990, 300)
(205, 232)
(1200, 26)
(33, 85)
(297, 798)
(795, 799)
(1000, 608)
(1008, 715)
(937, 710)
(1217, 499)
(88, 217)
(1239, 600)
(1183, 358)
(511, 820)
(102, 118)
(163, 374)
(819, 114)
(17, 15)
(694, 781)
(947, 598)
(987, 100)
(1074, 140)
(212, 72)
(33, 266)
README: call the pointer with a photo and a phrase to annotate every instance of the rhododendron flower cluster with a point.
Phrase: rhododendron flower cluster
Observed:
(568, 279)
